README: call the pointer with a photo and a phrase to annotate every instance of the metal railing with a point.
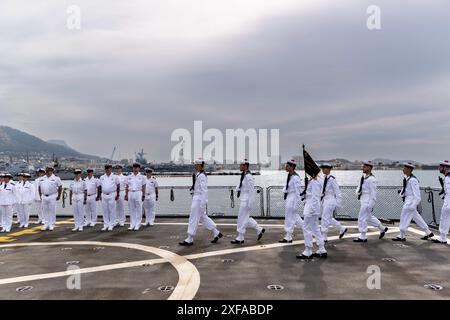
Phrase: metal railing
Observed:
(388, 206)
(223, 202)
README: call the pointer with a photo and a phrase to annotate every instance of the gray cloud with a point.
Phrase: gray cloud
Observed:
(318, 75)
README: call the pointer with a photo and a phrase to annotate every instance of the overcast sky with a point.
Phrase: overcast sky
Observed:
(137, 70)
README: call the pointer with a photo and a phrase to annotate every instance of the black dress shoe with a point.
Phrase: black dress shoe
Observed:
(216, 238)
(303, 257)
(359, 240)
(285, 241)
(398, 239)
(427, 237)
(237, 242)
(438, 241)
(383, 233)
(261, 234)
(343, 233)
(320, 255)
(185, 243)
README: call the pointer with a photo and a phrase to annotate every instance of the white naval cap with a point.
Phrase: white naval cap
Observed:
(292, 161)
(148, 169)
(7, 175)
(409, 165)
(26, 175)
(444, 163)
(368, 163)
(245, 161)
(199, 161)
(77, 171)
(326, 165)
(41, 170)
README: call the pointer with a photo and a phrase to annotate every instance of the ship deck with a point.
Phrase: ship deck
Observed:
(150, 264)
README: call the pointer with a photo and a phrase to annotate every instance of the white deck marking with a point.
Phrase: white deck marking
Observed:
(281, 225)
(188, 275)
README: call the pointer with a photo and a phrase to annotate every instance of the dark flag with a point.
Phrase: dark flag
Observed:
(311, 168)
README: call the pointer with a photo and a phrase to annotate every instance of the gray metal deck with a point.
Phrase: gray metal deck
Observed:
(133, 265)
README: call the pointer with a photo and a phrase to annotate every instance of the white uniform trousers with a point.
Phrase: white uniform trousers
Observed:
(444, 223)
(90, 210)
(135, 205)
(291, 218)
(6, 213)
(311, 229)
(149, 208)
(196, 216)
(78, 210)
(245, 221)
(38, 209)
(120, 209)
(49, 209)
(406, 216)
(109, 209)
(328, 220)
(366, 218)
(23, 214)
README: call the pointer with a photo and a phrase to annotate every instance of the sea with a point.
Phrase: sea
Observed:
(427, 178)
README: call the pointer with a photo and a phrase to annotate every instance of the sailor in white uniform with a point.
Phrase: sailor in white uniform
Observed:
(245, 191)
(78, 200)
(120, 203)
(291, 193)
(2, 180)
(311, 214)
(50, 189)
(411, 197)
(16, 207)
(25, 194)
(135, 195)
(199, 191)
(7, 201)
(444, 222)
(37, 199)
(110, 191)
(331, 199)
(367, 195)
(151, 196)
(93, 195)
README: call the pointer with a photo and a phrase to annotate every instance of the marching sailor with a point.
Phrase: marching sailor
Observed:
(199, 191)
(78, 200)
(90, 208)
(367, 195)
(331, 199)
(38, 199)
(444, 223)
(120, 203)
(50, 189)
(411, 196)
(7, 201)
(25, 194)
(135, 195)
(311, 215)
(108, 193)
(292, 196)
(246, 193)
(151, 196)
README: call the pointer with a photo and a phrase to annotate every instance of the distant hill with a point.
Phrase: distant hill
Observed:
(59, 142)
(14, 141)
